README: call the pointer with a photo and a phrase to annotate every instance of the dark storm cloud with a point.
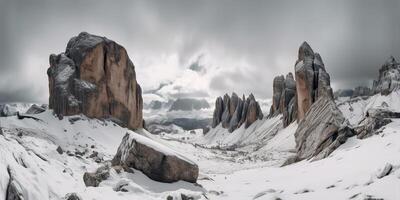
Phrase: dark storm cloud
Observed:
(353, 37)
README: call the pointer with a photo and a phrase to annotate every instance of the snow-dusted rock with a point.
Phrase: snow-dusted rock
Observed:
(35, 109)
(385, 171)
(14, 190)
(95, 178)
(233, 111)
(155, 160)
(95, 77)
(389, 77)
(322, 130)
(373, 121)
(312, 81)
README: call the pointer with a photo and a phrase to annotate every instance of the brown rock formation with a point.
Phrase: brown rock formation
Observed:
(312, 81)
(233, 111)
(95, 77)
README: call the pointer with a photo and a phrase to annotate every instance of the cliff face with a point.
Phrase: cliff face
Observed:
(95, 77)
(284, 98)
(312, 81)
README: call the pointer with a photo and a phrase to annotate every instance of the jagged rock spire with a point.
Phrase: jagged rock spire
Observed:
(233, 111)
(312, 81)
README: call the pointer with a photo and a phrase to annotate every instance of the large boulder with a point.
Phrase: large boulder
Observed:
(232, 111)
(389, 77)
(312, 81)
(156, 161)
(95, 77)
(322, 130)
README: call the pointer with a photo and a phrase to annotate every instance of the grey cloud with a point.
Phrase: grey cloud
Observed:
(353, 37)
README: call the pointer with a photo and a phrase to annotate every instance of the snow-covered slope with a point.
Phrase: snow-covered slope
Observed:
(28, 149)
(355, 109)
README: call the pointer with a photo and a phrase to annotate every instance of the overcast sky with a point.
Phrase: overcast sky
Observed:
(204, 48)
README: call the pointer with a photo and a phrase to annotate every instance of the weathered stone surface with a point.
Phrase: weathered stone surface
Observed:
(389, 77)
(219, 109)
(139, 153)
(284, 91)
(312, 81)
(322, 130)
(226, 117)
(95, 77)
(94, 179)
(373, 121)
(233, 111)
(35, 109)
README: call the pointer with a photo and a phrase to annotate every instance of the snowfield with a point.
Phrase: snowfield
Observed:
(245, 164)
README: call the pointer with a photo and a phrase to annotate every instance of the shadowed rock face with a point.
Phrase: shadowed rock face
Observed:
(233, 111)
(156, 164)
(95, 77)
(389, 77)
(312, 81)
(284, 101)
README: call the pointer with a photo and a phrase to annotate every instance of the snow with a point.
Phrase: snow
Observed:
(245, 164)
(355, 109)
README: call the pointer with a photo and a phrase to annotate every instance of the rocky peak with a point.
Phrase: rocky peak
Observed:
(312, 80)
(305, 51)
(95, 77)
(389, 77)
(233, 111)
(283, 102)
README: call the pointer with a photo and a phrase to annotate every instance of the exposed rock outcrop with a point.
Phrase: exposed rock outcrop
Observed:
(95, 178)
(322, 130)
(35, 109)
(312, 81)
(322, 127)
(156, 161)
(373, 121)
(284, 99)
(95, 77)
(14, 190)
(389, 77)
(233, 111)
